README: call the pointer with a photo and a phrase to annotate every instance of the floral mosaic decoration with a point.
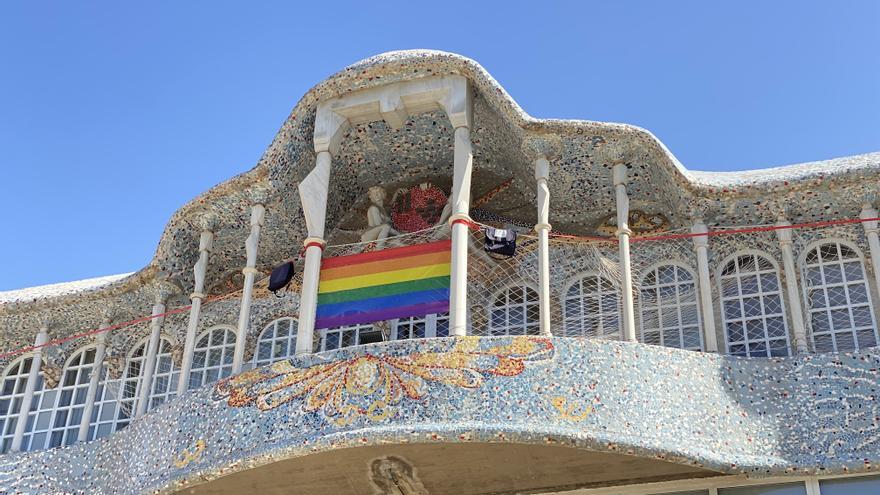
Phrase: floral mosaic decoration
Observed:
(372, 386)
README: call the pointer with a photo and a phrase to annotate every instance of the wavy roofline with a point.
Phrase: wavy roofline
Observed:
(367, 73)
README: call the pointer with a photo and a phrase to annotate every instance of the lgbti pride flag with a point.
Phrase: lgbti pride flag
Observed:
(381, 285)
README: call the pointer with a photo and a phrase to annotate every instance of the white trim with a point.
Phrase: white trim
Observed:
(677, 304)
(565, 300)
(358, 328)
(18, 392)
(527, 323)
(70, 429)
(429, 320)
(123, 394)
(289, 341)
(761, 294)
(852, 329)
(227, 349)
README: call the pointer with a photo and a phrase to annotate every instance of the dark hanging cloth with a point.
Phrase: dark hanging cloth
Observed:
(501, 242)
(281, 277)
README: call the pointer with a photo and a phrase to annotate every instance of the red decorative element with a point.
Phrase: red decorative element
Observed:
(417, 209)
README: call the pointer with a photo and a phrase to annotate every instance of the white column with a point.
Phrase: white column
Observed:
(871, 231)
(313, 191)
(628, 331)
(258, 212)
(792, 292)
(206, 243)
(149, 366)
(461, 189)
(542, 173)
(33, 377)
(97, 370)
(707, 307)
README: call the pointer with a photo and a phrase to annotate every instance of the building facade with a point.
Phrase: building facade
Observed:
(657, 330)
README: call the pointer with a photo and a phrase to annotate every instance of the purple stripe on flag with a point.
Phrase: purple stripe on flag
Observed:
(383, 314)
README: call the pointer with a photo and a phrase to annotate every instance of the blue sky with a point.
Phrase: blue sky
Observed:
(114, 114)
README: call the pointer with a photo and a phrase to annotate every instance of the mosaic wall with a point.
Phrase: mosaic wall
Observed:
(813, 414)
(583, 393)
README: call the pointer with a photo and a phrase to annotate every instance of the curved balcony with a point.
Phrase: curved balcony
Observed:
(558, 405)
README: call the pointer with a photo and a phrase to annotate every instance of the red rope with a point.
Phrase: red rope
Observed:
(62, 340)
(475, 226)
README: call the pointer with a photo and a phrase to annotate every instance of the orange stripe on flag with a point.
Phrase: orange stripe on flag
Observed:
(391, 253)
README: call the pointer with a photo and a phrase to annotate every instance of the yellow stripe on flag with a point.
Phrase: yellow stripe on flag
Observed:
(390, 277)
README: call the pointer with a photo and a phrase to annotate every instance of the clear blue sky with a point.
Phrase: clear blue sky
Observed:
(114, 114)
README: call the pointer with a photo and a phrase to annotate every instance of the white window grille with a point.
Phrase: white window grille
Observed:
(668, 303)
(212, 356)
(14, 383)
(419, 327)
(515, 312)
(838, 298)
(57, 417)
(115, 400)
(339, 337)
(752, 307)
(591, 308)
(277, 342)
(165, 376)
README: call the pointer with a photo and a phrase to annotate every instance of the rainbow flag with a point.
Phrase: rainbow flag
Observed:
(381, 285)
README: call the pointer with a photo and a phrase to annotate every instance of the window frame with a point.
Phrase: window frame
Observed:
(806, 287)
(678, 304)
(290, 340)
(578, 278)
(780, 290)
(535, 325)
(227, 349)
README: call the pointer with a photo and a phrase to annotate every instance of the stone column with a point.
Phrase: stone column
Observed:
(542, 173)
(258, 212)
(460, 220)
(97, 371)
(206, 243)
(707, 307)
(33, 378)
(871, 231)
(313, 194)
(792, 293)
(149, 366)
(628, 331)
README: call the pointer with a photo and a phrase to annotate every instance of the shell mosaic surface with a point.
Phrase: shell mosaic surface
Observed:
(812, 414)
(757, 416)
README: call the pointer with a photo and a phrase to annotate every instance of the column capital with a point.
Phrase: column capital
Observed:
(541, 146)
(542, 168)
(258, 214)
(259, 195)
(700, 227)
(163, 290)
(618, 172)
(784, 235)
(208, 221)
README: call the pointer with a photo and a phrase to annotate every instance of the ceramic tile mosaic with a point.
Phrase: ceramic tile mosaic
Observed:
(762, 417)
(814, 414)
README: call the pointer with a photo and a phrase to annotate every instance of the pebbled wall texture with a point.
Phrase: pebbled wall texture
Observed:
(797, 415)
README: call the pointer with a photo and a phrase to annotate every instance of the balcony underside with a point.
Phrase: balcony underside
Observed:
(455, 469)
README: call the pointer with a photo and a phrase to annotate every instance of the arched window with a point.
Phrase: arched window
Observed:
(515, 312)
(838, 299)
(751, 302)
(668, 302)
(339, 337)
(115, 399)
(14, 382)
(59, 412)
(212, 356)
(419, 327)
(165, 376)
(277, 342)
(591, 308)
